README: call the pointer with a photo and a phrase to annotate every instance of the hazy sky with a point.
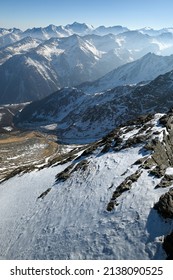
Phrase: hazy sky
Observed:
(131, 13)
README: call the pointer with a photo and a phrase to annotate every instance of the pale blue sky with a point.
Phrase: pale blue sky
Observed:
(131, 13)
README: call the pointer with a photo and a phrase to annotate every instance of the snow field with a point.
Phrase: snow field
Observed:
(71, 222)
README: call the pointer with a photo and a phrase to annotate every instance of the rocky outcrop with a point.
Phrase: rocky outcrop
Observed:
(165, 182)
(168, 246)
(165, 205)
(44, 193)
(66, 173)
(124, 186)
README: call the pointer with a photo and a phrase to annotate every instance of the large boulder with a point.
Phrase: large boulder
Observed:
(165, 204)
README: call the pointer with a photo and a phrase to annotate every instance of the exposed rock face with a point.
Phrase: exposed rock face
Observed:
(160, 159)
(165, 204)
(124, 186)
(166, 181)
(168, 246)
(64, 175)
(162, 156)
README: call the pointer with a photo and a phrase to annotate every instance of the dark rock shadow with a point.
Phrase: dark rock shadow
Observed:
(157, 227)
(144, 152)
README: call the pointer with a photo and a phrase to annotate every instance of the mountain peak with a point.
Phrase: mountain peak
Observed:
(78, 27)
(51, 27)
(150, 54)
(75, 23)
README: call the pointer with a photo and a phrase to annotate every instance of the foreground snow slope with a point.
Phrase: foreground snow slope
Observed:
(72, 220)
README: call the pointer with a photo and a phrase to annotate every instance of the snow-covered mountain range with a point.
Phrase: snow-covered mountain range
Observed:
(142, 70)
(36, 62)
(111, 199)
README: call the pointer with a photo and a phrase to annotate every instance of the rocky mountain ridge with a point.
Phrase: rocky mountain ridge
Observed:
(142, 70)
(81, 118)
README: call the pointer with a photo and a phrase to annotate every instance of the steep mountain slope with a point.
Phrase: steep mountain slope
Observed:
(19, 47)
(96, 202)
(144, 69)
(7, 113)
(73, 58)
(82, 117)
(139, 44)
(55, 63)
(51, 65)
(26, 77)
(88, 57)
(9, 36)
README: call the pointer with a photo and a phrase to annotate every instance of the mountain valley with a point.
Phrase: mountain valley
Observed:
(79, 117)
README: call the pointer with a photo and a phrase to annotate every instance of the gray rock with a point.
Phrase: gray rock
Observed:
(165, 205)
